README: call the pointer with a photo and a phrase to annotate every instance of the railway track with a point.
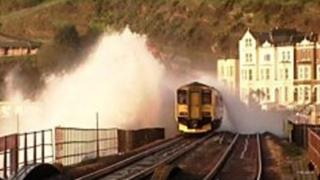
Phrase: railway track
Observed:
(143, 164)
(241, 160)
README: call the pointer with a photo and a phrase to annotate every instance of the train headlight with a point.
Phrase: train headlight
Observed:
(194, 124)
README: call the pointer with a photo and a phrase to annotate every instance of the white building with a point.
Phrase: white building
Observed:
(267, 62)
(228, 74)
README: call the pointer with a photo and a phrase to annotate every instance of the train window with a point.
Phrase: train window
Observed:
(206, 97)
(182, 96)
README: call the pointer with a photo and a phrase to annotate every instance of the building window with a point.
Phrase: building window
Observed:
(306, 94)
(288, 55)
(248, 57)
(283, 55)
(306, 73)
(286, 73)
(268, 74)
(250, 74)
(268, 93)
(286, 93)
(267, 57)
(295, 94)
(300, 73)
(248, 42)
(300, 93)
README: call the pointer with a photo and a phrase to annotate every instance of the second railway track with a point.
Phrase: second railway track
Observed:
(241, 160)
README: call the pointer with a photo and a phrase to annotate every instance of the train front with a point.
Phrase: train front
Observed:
(199, 108)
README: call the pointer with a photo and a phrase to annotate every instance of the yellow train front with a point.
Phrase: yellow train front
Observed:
(199, 108)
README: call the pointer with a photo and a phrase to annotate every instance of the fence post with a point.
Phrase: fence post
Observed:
(42, 146)
(34, 147)
(5, 175)
(25, 149)
(14, 154)
(97, 121)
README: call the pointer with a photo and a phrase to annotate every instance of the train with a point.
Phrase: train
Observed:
(199, 108)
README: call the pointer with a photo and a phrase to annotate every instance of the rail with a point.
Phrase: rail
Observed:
(148, 171)
(144, 164)
(259, 174)
(126, 162)
(221, 160)
(234, 148)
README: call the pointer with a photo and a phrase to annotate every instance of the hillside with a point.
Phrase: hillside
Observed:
(200, 25)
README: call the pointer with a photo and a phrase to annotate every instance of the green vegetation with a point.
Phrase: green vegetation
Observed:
(7, 6)
(191, 23)
(62, 54)
(292, 150)
(190, 28)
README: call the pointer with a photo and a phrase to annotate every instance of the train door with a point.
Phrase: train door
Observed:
(195, 105)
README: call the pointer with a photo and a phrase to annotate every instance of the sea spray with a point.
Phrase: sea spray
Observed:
(120, 80)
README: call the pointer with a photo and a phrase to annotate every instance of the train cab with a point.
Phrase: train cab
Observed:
(199, 108)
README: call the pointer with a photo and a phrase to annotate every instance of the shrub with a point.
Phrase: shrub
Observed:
(68, 36)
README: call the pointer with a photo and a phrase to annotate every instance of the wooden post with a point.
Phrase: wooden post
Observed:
(25, 149)
(14, 154)
(34, 147)
(97, 121)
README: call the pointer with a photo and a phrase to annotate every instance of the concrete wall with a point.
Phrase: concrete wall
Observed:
(129, 140)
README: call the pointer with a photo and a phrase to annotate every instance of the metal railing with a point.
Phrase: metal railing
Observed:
(19, 150)
(68, 146)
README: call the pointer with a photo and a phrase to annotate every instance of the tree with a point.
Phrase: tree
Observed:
(68, 36)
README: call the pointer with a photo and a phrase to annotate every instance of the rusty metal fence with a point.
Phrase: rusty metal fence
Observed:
(69, 146)
(314, 147)
(75, 145)
(18, 150)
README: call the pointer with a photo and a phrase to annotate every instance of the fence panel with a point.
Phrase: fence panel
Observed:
(68, 146)
(19, 150)
(75, 145)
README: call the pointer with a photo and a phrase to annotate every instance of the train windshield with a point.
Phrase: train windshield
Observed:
(206, 97)
(182, 97)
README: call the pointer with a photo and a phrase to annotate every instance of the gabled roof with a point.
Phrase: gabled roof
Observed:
(279, 36)
(7, 41)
